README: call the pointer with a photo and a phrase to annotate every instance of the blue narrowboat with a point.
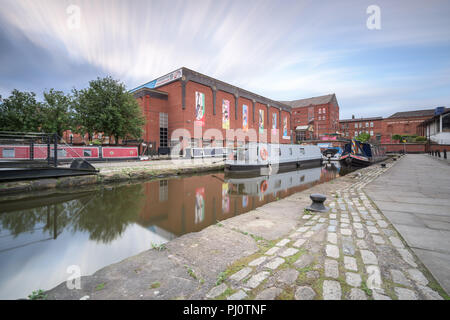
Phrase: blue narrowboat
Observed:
(358, 153)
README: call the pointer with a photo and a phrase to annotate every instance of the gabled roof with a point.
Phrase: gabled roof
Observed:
(416, 113)
(310, 101)
(361, 119)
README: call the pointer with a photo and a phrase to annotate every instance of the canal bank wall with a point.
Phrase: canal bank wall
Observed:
(115, 172)
(277, 251)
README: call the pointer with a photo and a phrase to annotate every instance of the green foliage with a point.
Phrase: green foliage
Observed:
(100, 286)
(106, 106)
(159, 247)
(155, 285)
(57, 114)
(306, 211)
(191, 272)
(363, 137)
(421, 139)
(96, 142)
(37, 295)
(221, 278)
(20, 112)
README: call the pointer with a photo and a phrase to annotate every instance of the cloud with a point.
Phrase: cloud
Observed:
(283, 50)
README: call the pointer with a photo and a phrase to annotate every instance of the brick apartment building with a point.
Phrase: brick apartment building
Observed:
(177, 103)
(350, 128)
(314, 117)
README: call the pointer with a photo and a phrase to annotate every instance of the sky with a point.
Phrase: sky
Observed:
(283, 50)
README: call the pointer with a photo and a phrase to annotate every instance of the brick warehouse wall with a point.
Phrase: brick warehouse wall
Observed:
(184, 118)
(406, 126)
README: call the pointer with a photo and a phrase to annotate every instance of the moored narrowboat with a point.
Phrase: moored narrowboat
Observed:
(358, 153)
(265, 158)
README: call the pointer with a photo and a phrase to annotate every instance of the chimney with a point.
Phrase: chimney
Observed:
(353, 116)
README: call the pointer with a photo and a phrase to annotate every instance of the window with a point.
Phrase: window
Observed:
(356, 126)
(320, 110)
(87, 153)
(371, 133)
(290, 151)
(360, 124)
(367, 124)
(61, 153)
(8, 153)
(371, 124)
(163, 131)
(324, 118)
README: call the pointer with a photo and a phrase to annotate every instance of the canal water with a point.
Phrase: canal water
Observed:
(41, 237)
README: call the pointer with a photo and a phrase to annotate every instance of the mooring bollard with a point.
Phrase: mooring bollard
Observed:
(317, 203)
(439, 153)
(383, 165)
(445, 154)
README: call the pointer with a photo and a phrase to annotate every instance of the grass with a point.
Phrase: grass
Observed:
(221, 278)
(37, 295)
(155, 285)
(159, 247)
(100, 286)
(306, 211)
(190, 272)
(226, 293)
(366, 289)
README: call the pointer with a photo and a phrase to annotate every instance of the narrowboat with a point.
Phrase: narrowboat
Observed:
(266, 158)
(358, 153)
(332, 154)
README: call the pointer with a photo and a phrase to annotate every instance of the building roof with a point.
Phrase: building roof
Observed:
(310, 101)
(361, 119)
(184, 74)
(434, 117)
(415, 113)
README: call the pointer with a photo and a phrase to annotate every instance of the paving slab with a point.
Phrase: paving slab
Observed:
(415, 196)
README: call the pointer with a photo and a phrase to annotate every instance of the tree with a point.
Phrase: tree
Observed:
(57, 112)
(20, 112)
(363, 137)
(106, 106)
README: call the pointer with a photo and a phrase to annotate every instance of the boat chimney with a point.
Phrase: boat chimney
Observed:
(353, 116)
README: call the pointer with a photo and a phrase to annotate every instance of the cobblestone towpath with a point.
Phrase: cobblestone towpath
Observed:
(350, 253)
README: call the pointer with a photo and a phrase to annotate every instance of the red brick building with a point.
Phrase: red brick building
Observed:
(350, 128)
(314, 117)
(197, 110)
(404, 123)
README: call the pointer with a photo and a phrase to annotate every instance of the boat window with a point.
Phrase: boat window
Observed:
(62, 153)
(302, 150)
(279, 151)
(87, 153)
(290, 151)
(8, 153)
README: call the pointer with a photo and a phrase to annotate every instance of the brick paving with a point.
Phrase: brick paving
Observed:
(350, 253)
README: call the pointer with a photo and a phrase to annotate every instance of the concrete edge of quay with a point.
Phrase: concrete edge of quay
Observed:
(116, 175)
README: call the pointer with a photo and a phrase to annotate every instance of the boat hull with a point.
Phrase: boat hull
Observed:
(265, 168)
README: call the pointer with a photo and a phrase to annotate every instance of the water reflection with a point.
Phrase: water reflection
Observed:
(40, 237)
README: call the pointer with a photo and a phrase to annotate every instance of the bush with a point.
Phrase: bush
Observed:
(396, 137)
(421, 139)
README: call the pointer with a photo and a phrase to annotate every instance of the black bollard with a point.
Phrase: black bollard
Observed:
(445, 154)
(439, 153)
(317, 203)
(383, 165)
